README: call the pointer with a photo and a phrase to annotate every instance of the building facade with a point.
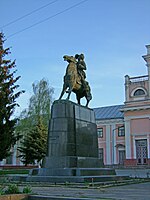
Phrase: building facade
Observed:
(124, 130)
(111, 134)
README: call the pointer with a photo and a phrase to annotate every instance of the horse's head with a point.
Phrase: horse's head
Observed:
(69, 59)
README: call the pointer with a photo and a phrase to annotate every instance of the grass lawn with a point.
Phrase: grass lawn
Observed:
(14, 171)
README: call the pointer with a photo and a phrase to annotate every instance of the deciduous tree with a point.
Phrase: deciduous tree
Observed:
(34, 124)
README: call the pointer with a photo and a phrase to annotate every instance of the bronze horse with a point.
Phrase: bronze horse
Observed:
(73, 82)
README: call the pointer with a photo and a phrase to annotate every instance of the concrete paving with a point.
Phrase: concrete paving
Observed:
(127, 192)
(135, 172)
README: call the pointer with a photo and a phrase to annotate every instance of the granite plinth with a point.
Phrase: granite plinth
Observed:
(72, 137)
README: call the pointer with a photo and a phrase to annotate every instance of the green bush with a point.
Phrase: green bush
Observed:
(27, 189)
(12, 189)
(2, 190)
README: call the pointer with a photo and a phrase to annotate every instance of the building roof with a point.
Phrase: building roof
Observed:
(109, 112)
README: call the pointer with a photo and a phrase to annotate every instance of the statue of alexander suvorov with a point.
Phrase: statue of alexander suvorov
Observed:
(75, 78)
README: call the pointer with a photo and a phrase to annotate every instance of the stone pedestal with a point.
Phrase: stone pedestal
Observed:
(72, 142)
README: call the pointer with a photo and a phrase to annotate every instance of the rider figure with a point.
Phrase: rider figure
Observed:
(81, 66)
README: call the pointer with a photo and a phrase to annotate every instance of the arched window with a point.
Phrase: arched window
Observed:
(139, 92)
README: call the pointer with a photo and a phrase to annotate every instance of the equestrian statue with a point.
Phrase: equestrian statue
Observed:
(74, 79)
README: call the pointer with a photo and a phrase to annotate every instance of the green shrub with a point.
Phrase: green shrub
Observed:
(12, 189)
(2, 190)
(27, 189)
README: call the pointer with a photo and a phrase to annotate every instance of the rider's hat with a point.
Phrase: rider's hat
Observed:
(82, 56)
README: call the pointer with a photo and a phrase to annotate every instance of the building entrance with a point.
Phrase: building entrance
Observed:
(121, 157)
(141, 151)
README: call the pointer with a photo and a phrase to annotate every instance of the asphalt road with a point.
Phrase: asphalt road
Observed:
(127, 192)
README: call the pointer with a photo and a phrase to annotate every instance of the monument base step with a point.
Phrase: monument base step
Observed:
(71, 171)
(75, 179)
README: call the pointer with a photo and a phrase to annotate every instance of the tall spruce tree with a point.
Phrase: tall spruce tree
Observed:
(8, 95)
(33, 146)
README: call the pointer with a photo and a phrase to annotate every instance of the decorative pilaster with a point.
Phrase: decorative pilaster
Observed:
(127, 81)
(134, 147)
(108, 149)
(114, 159)
(127, 139)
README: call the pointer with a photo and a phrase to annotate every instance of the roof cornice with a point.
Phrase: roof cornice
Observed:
(132, 108)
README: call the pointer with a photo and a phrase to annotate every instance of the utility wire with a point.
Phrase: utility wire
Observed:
(30, 13)
(52, 16)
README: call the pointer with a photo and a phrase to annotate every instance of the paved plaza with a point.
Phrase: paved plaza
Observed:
(127, 192)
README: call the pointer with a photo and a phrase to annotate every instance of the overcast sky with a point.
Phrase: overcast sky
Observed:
(111, 33)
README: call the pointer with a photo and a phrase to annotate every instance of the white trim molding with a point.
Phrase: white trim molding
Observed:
(127, 139)
(108, 149)
(132, 108)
